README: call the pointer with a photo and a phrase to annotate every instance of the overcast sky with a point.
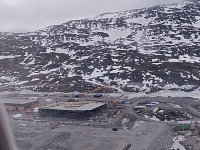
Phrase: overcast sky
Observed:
(31, 15)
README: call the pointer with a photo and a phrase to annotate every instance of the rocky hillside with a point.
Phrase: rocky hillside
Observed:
(136, 50)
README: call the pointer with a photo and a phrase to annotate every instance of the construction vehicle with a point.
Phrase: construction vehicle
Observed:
(114, 129)
(97, 95)
(102, 88)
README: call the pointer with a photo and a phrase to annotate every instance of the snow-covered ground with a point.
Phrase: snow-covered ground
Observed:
(176, 145)
(163, 93)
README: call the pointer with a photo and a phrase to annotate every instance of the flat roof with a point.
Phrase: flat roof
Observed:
(185, 122)
(15, 101)
(74, 106)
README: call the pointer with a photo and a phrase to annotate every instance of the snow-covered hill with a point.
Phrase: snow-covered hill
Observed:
(136, 50)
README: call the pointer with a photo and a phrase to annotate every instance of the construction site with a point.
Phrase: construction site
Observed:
(72, 110)
(104, 121)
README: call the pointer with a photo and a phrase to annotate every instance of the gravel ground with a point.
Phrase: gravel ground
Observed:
(40, 136)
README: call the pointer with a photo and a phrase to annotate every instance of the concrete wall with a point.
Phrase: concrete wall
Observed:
(69, 114)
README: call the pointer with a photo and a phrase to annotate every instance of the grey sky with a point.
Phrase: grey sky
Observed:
(31, 15)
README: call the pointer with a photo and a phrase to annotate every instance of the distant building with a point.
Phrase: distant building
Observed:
(72, 110)
(19, 104)
(186, 125)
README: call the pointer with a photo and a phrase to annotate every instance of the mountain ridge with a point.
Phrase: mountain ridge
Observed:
(144, 50)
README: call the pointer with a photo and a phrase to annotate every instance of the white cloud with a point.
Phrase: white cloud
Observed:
(30, 15)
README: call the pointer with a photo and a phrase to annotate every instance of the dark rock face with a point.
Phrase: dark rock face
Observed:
(136, 50)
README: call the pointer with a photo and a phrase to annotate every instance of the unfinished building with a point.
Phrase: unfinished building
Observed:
(72, 110)
(17, 104)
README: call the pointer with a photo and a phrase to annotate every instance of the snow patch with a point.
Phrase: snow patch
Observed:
(176, 144)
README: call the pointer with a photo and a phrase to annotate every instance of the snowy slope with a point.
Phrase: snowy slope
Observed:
(146, 50)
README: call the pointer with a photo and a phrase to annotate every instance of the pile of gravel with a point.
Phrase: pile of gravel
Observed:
(164, 141)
